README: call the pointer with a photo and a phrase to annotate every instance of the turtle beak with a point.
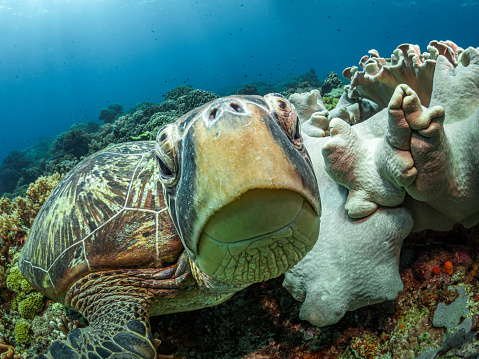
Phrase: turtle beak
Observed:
(257, 237)
(254, 195)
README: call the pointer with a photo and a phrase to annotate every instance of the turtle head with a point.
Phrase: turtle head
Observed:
(240, 187)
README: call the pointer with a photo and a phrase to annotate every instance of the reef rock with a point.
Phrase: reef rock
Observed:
(412, 165)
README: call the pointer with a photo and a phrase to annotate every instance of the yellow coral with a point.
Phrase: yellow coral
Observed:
(31, 306)
(18, 215)
(16, 282)
(5, 205)
(22, 331)
(37, 193)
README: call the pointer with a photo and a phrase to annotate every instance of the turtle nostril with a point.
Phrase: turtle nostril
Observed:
(236, 107)
(213, 114)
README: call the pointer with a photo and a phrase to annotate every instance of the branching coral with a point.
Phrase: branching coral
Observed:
(413, 164)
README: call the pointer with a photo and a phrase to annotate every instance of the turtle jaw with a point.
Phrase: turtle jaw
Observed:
(241, 153)
(257, 237)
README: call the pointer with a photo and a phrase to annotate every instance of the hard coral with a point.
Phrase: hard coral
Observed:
(193, 99)
(74, 142)
(109, 114)
(16, 282)
(247, 89)
(177, 92)
(22, 332)
(160, 119)
(330, 102)
(11, 170)
(31, 306)
(302, 83)
(168, 105)
(17, 216)
(332, 82)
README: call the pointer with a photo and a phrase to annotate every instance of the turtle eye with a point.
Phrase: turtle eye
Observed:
(166, 152)
(287, 118)
(297, 139)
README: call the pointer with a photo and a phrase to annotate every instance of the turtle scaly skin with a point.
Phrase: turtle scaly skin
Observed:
(225, 197)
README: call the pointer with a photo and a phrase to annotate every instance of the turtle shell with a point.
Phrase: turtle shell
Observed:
(107, 213)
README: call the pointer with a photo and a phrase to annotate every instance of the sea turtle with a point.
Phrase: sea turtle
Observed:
(225, 197)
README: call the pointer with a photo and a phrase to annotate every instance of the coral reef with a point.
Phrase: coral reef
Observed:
(407, 167)
(109, 114)
(177, 92)
(20, 168)
(17, 216)
(194, 99)
(262, 321)
(19, 303)
(302, 83)
(248, 89)
(331, 83)
(160, 119)
(298, 84)
(74, 142)
(11, 169)
(17, 284)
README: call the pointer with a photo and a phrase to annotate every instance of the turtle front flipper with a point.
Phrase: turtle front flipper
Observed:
(126, 339)
(116, 305)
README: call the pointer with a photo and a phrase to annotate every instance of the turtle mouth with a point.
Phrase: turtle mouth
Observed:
(259, 236)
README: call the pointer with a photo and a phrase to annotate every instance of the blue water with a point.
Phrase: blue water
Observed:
(62, 61)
